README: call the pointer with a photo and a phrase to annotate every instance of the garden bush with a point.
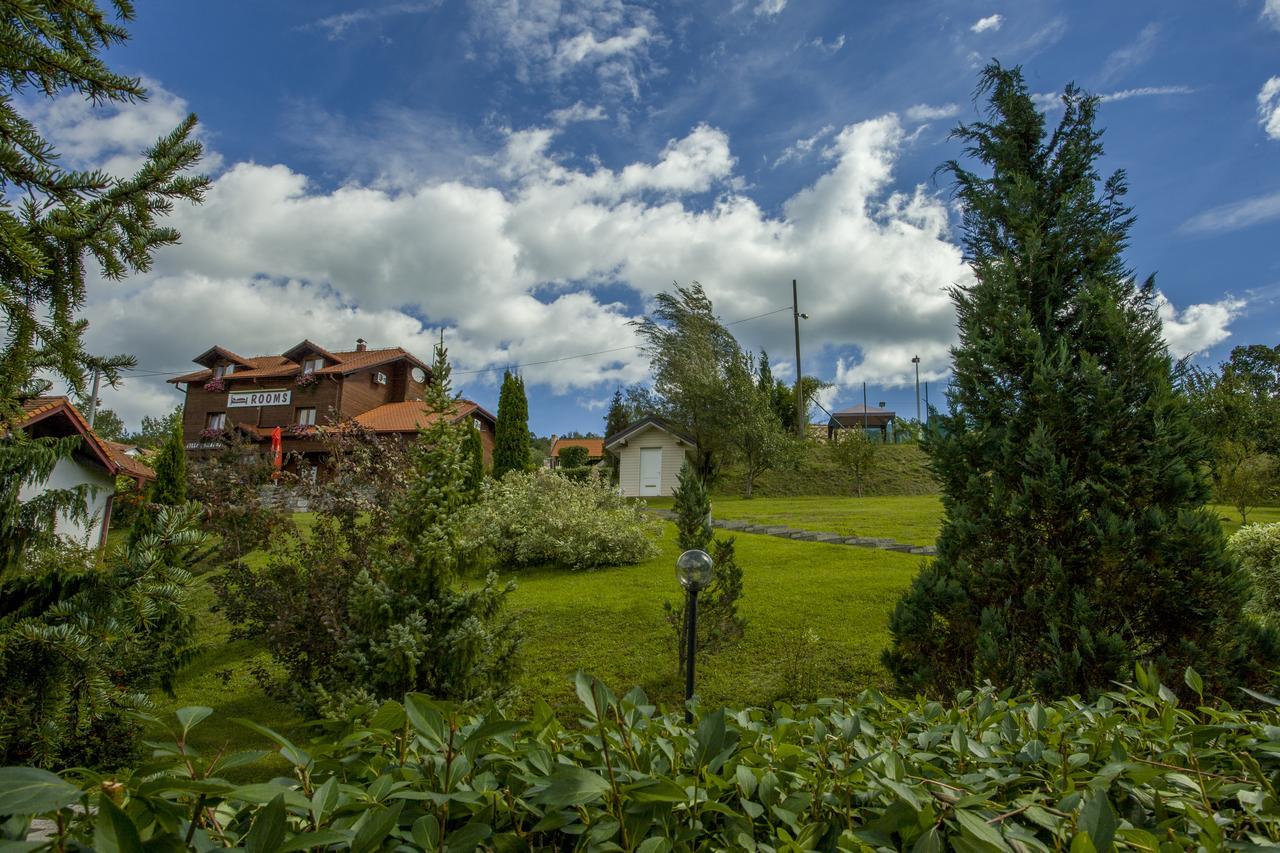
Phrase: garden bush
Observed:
(1257, 547)
(984, 772)
(538, 518)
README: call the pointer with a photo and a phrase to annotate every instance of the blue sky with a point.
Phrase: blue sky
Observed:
(527, 175)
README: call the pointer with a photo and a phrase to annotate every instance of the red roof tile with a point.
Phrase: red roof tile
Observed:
(594, 446)
(275, 366)
(412, 416)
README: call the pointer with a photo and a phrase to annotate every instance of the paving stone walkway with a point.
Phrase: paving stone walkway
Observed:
(784, 532)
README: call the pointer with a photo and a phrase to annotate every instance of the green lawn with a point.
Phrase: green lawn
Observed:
(610, 623)
(913, 519)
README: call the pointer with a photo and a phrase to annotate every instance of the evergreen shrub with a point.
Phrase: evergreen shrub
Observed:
(1257, 547)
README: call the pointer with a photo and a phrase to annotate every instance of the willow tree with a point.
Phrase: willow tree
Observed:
(1076, 541)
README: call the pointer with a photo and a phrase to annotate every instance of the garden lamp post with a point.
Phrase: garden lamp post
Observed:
(693, 570)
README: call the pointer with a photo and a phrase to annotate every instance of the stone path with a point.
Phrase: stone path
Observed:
(785, 532)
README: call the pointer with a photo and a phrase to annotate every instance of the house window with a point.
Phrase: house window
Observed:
(217, 420)
(223, 370)
(307, 416)
(311, 365)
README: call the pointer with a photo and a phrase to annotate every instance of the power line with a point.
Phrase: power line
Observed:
(141, 372)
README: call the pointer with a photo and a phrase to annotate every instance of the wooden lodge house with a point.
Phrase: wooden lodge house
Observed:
(307, 388)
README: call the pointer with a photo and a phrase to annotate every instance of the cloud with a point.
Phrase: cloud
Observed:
(800, 149)
(576, 113)
(1196, 328)
(336, 26)
(1125, 59)
(991, 22)
(1146, 92)
(828, 47)
(1271, 12)
(1234, 216)
(925, 112)
(113, 137)
(1269, 107)
(1053, 100)
(567, 42)
(530, 261)
(770, 8)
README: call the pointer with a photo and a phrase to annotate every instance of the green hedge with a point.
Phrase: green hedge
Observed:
(987, 772)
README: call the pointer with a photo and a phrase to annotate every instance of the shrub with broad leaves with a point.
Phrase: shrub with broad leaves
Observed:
(539, 518)
(1133, 769)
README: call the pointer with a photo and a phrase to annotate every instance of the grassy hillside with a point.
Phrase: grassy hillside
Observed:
(899, 469)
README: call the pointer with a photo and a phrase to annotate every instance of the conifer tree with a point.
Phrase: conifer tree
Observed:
(475, 461)
(511, 433)
(1076, 541)
(412, 627)
(170, 486)
(616, 420)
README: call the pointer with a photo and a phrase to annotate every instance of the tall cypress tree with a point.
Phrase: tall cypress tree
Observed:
(170, 486)
(1076, 541)
(511, 434)
(475, 461)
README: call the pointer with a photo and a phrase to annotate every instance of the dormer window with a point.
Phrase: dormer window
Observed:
(312, 365)
(223, 370)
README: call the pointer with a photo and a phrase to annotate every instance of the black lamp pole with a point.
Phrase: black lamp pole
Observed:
(690, 647)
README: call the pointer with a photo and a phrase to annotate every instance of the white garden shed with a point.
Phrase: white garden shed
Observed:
(650, 455)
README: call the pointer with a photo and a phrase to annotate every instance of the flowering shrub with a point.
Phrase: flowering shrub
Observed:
(215, 385)
(211, 432)
(1132, 770)
(1257, 547)
(306, 380)
(540, 518)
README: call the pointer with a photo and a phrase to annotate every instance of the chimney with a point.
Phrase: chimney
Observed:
(361, 345)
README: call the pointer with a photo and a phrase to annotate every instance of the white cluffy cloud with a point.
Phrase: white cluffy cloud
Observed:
(1235, 215)
(1197, 328)
(561, 40)
(925, 112)
(1269, 107)
(769, 8)
(801, 148)
(576, 113)
(1271, 12)
(336, 26)
(991, 22)
(535, 260)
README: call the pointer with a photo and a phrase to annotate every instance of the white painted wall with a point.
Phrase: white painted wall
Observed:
(674, 453)
(67, 474)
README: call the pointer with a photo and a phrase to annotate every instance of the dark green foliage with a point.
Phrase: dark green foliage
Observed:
(1076, 540)
(386, 594)
(692, 507)
(106, 423)
(240, 510)
(81, 645)
(474, 449)
(511, 434)
(169, 487)
(719, 623)
(1133, 771)
(618, 417)
(155, 431)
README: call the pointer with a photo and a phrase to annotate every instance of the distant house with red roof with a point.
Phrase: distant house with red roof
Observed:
(593, 446)
(308, 388)
(95, 464)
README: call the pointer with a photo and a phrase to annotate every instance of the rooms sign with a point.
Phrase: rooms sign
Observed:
(259, 398)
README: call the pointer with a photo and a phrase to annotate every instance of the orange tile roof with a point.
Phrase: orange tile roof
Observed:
(411, 416)
(135, 468)
(594, 446)
(275, 366)
(38, 408)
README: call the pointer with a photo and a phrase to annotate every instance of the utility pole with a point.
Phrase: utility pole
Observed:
(93, 399)
(926, 403)
(864, 410)
(916, 361)
(796, 315)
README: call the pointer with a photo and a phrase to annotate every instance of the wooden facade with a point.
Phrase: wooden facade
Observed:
(305, 388)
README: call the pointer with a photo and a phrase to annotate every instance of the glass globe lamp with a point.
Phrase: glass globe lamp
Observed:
(693, 569)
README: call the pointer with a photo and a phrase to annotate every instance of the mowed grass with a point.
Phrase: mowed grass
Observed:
(913, 519)
(817, 618)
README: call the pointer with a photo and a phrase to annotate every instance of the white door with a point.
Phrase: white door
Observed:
(650, 471)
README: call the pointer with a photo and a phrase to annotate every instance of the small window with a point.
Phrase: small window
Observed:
(311, 365)
(307, 417)
(223, 370)
(217, 420)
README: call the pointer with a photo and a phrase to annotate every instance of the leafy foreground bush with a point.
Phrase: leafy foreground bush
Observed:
(1132, 769)
(539, 519)
(1257, 547)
